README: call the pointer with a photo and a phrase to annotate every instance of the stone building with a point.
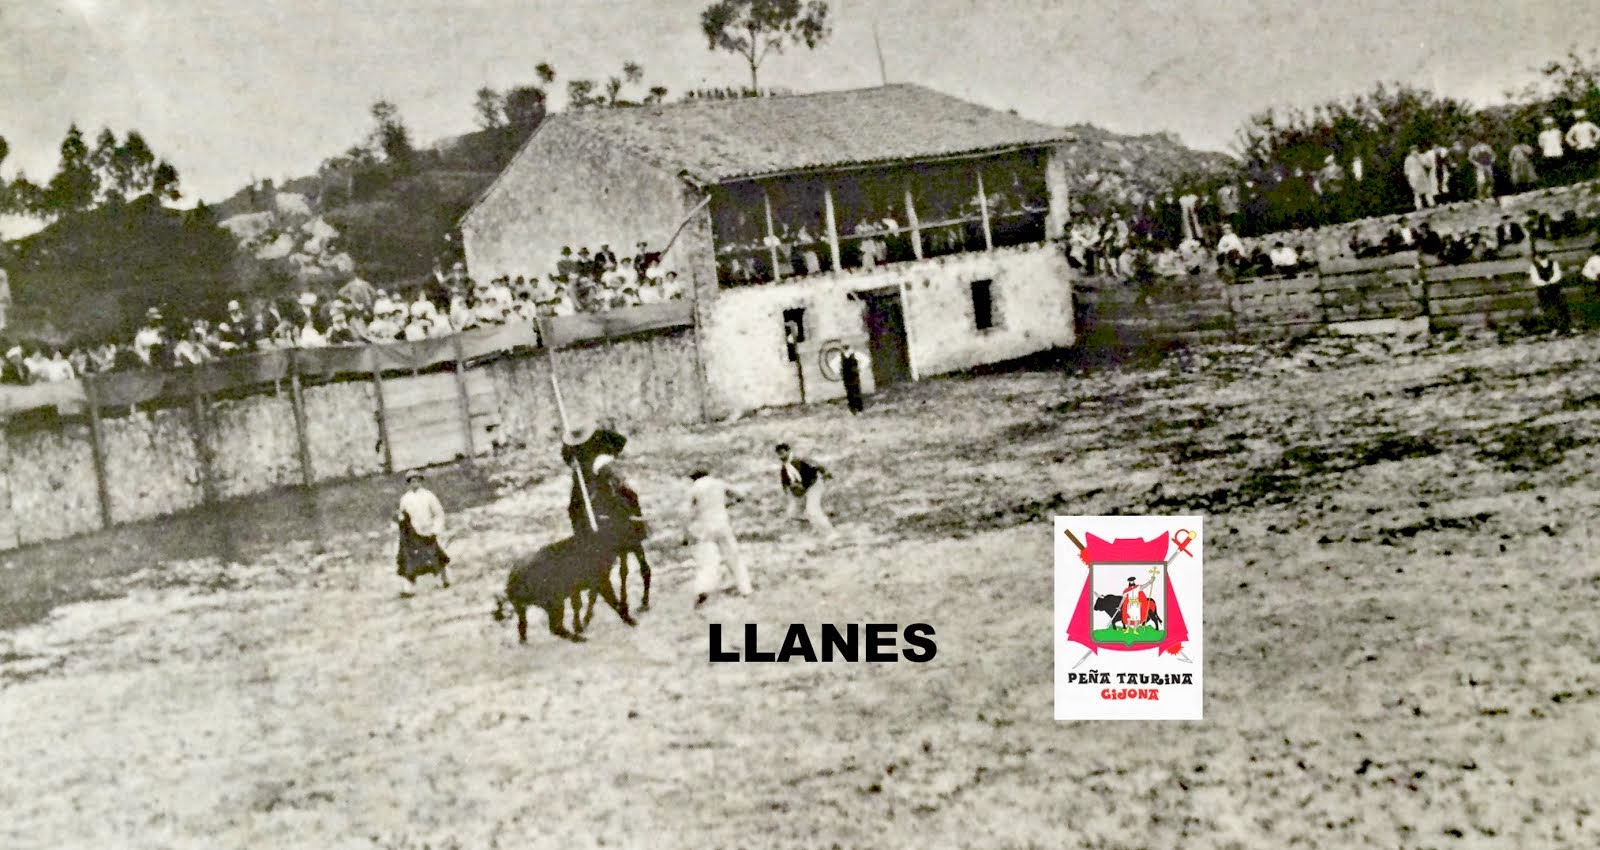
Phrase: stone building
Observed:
(914, 226)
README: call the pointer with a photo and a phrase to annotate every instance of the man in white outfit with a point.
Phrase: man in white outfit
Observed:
(711, 535)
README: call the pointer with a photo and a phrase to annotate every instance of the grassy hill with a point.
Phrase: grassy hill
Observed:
(1105, 169)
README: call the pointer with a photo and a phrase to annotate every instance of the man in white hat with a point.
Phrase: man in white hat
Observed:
(1582, 137)
(421, 521)
(585, 450)
(1550, 150)
(151, 340)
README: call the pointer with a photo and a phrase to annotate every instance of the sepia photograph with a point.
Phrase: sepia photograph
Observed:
(746, 424)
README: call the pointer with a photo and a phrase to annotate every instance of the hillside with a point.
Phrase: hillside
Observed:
(1106, 169)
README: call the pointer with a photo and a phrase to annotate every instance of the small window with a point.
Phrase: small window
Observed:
(794, 331)
(983, 304)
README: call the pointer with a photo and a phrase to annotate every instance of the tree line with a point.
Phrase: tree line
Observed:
(114, 171)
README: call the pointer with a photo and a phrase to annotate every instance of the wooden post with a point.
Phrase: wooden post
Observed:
(983, 205)
(91, 388)
(202, 440)
(463, 399)
(297, 400)
(772, 234)
(833, 226)
(916, 227)
(383, 419)
(1322, 297)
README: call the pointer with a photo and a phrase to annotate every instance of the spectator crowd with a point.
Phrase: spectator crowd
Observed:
(358, 314)
(1246, 228)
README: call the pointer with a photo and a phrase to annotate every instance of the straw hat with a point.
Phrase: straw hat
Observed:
(578, 434)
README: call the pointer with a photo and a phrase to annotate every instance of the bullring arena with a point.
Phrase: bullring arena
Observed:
(1384, 520)
(1349, 324)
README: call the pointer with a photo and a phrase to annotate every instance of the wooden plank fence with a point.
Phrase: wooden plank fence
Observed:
(1206, 308)
(427, 405)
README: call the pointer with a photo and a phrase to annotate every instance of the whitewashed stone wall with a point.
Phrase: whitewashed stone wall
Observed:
(743, 337)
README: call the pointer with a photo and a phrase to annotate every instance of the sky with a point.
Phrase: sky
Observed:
(231, 90)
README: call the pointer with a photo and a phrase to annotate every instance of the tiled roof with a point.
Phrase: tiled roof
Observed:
(721, 140)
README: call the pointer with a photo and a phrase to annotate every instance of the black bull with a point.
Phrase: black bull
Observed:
(1110, 604)
(561, 571)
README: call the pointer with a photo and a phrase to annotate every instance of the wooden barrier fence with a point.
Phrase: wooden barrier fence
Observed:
(201, 437)
(1211, 308)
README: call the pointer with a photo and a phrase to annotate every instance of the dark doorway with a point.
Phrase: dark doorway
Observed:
(886, 331)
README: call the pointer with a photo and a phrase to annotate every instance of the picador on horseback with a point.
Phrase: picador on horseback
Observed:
(602, 499)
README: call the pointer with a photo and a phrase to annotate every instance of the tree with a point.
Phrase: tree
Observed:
(164, 182)
(524, 107)
(490, 107)
(1571, 82)
(391, 136)
(584, 94)
(101, 159)
(75, 186)
(754, 29)
(580, 94)
(133, 168)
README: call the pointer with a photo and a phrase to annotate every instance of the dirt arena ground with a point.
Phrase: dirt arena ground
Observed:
(1400, 639)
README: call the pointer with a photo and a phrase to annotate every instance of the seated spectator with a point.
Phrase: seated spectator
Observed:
(1455, 251)
(1168, 264)
(1508, 233)
(419, 328)
(1429, 241)
(339, 330)
(1401, 237)
(1591, 268)
(1284, 259)
(150, 342)
(387, 324)
(1538, 225)
(462, 317)
(670, 287)
(1230, 249)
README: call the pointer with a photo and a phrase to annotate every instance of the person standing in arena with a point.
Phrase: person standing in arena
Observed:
(421, 521)
(804, 482)
(710, 533)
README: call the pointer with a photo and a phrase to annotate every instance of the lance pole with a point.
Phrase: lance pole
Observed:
(561, 410)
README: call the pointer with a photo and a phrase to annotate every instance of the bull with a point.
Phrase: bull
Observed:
(1110, 604)
(563, 571)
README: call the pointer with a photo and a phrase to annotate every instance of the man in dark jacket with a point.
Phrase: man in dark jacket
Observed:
(850, 373)
(1508, 233)
(804, 483)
